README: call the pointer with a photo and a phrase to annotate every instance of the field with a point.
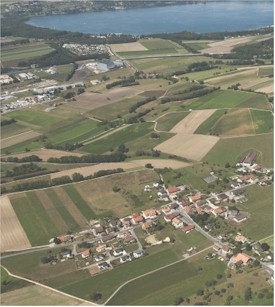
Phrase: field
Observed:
(128, 47)
(16, 53)
(13, 129)
(24, 136)
(207, 126)
(191, 122)
(92, 100)
(260, 224)
(29, 296)
(266, 71)
(9, 283)
(230, 99)
(13, 236)
(167, 121)
(181, 279)
(263, 121)
(193, 147)
(231, 149)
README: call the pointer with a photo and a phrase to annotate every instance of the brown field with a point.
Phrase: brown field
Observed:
(246, 72)
(266, 89)
(136, 46)
(91, 101)
(192, 121)
(36, 295)
(13, 236)
(52, 212)
(71, 207)
(226, 45)
(12, 140)
(88, 170)
(45, 154)
(190, 146)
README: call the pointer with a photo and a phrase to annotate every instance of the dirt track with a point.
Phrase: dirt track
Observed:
(192, 121)
(190, 146)
(13, 236)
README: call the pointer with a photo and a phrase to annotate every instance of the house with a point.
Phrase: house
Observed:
(173, 189)
(201, 203)
(108, 238)
(125, 258)
(176, 222)
(66, 254)
(101, 248)
(240, 217)
(257, 248)
(123, 234)
(199, 210)
(115, 223)
(247, 179)
(188, 209)
(86, 253)
(138, 253)
(219, 211)
(126, 222)
(64, 238)
(239, 259)
(99, 257)
(230, 214)
(174, 206)
(149, 214)
(188, 228)
(129, 239)
(240, 238)
(99, 230)
(147, 225)
(194, 198)
(103, 265)
(118, 251)
(166, 210)
(222, 197)
(168, 218)
(136, 219)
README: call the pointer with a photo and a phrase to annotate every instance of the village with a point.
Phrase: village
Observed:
(112, 241)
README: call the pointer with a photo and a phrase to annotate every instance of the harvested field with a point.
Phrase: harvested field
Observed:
(45, 154)
(136, 46)
(226, 45)
(266, 89)
(190, 146)
(30, 296)
(91, 101)
(13, 236)
(52, 212)
(192, 121)
(88, 170)
(153, 93)
(71, 207)
(19, 138)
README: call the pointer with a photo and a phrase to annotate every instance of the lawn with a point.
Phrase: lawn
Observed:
(80, 203)
(263, 121)
(229, 99)
(207, 126)
(34, 219)
(108, 282)
(184, 279)
(61, 208)
(230, 149)
(169, 120)
(133, 132)
(260, 206)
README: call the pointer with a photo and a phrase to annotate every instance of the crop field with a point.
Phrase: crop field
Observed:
(230, 99)
(198, 45)
(13, 129)
(166, 65)
(191, 122)
(30, 144)
(231, 149)
(9, 283)
(16, 53)
(13, 235)
(235, 122)
(207, 126)
(263, 121)
(14, 140)
(108, 282)
(183, 278)
(29, 296)
(167, 121)
(128, 47)
(210, 73)
(133, 132)
(190, 146)
(266, 71)
(90, 101)
(260, 223)
(112, 111)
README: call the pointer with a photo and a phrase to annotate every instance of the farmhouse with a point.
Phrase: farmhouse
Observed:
(247, 179)
(249, 158)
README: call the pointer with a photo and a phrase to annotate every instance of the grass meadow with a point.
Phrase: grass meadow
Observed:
(169, 120)
(263, 121)
(231, 149)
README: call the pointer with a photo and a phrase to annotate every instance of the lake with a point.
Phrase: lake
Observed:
(200, 18)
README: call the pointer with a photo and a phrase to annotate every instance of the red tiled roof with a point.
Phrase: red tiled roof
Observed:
(188, 228)
(173, 189)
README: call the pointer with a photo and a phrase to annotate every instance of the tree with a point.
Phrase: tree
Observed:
(149, 165)
(96, 296)
(200, 292)
(179, 300)
(248, 294)
(265, 247)
(77, 177)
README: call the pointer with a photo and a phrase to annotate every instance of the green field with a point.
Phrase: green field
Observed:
(260, 206)
(13, 129)
(231, 149)
(169, 120)
(9, 283)
(108, 282)
(157, 44)
(34, 219)
(24, 51)
(163, 287)
(263, 121)
(207, 126)
(80, 202)
(124, 136)
(31, 144)
(230, 99)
